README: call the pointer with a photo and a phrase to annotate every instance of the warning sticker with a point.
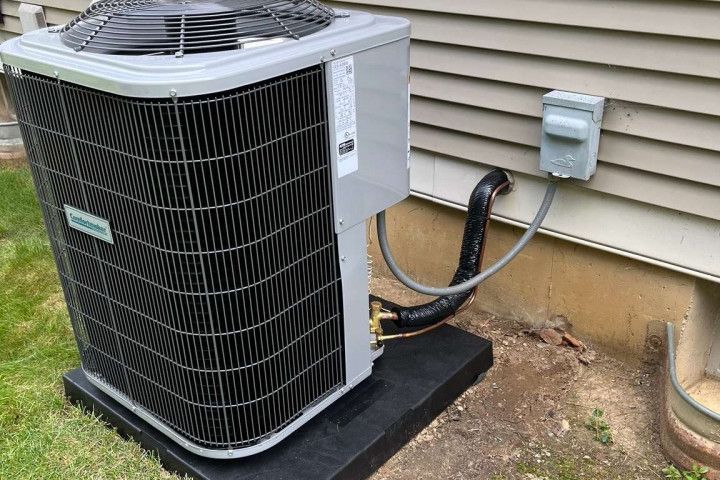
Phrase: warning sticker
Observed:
(343, 81)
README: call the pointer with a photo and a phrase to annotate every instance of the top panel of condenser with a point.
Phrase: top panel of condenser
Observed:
(150, 76)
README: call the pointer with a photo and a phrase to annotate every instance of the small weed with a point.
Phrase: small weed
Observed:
(697, 473)
(599, 426)
(523, 467)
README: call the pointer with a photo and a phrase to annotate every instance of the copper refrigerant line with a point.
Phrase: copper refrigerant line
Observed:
(378, 314)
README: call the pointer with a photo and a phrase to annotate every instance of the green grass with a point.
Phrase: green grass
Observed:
(41, 436)
(559, 469)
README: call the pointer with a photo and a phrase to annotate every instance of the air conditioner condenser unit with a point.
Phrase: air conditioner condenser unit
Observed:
(205, 170)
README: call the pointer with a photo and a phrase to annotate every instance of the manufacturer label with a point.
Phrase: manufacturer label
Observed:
(346, 148)
(87, 223)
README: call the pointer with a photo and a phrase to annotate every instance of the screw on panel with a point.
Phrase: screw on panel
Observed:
(332, 52)
(179, 54)
(173, 94)
(343, 258)
(341, 221)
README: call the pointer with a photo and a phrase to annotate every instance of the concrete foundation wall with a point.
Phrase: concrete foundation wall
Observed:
(696, 334)
(610, 301)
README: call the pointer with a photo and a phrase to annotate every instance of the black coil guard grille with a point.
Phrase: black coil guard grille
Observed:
(218, 307)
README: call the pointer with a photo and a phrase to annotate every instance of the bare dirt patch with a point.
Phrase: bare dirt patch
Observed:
(12, 158)
(526, 420)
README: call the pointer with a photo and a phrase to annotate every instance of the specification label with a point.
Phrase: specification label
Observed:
(343, 81)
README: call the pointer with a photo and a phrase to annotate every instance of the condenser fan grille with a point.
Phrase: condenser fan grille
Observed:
(165, 27)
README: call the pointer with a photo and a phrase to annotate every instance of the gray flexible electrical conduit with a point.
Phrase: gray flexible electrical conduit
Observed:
(672, 373)
(482, 276)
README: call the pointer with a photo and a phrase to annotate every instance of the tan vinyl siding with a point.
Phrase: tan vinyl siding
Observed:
(480, 68)
(618, 147)
(647, 121)
(685, 18)
(681, 92)
(670, 54)
(56, 13)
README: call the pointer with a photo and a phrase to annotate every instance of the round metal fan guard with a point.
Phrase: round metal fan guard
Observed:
(178, 27)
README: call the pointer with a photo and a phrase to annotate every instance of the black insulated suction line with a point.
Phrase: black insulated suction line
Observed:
(473, 244)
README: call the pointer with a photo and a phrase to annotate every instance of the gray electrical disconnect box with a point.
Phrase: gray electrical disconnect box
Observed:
(570, 134)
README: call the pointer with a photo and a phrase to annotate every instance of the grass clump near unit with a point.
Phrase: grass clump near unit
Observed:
(41, 436)
(697, 473)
